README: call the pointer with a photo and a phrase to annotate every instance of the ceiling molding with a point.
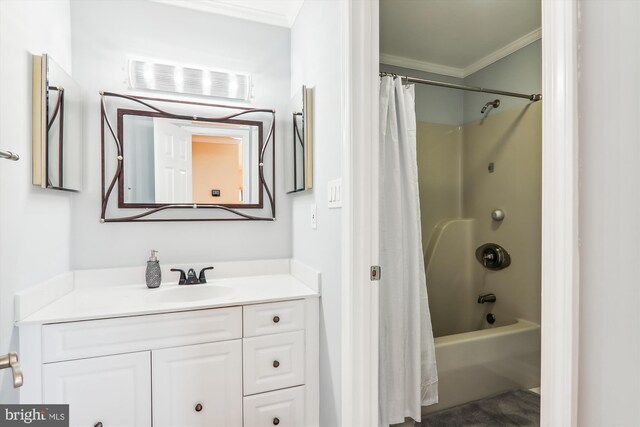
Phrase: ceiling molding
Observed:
(504, 51)
(280, 13)
(415, 64)
(461, 73)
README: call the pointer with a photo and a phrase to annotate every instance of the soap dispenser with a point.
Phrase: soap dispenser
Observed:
(153, 274)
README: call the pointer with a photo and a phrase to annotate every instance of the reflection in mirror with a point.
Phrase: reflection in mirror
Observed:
(57, 127)
(300, 155)
(178, 160)
(169, 161)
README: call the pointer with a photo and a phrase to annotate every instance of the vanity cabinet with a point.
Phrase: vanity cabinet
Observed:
(251, 365)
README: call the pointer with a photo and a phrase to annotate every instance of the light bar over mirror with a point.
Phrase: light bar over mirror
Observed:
(186, 161)
(154, 76)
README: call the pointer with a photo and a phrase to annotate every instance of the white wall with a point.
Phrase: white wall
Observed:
(316, 60)
(104, 34)
(34, 223)
(609, 115)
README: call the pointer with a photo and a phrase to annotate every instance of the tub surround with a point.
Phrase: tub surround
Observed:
(119, 292)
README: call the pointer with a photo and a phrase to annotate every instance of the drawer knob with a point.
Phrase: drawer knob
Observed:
(276, 363)
(276, 319)
(198, 407)
(276, 421)
(98, 424)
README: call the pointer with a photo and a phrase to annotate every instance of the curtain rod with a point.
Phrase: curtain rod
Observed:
(532, 97)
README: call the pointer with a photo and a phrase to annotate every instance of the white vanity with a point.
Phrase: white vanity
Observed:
(241, 350)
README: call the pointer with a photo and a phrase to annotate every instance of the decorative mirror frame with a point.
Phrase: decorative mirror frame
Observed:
(238, 113)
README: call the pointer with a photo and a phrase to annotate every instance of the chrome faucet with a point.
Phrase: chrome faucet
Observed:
(486, 298)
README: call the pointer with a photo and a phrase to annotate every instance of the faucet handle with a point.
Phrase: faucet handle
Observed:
(183, 276)
(203, 278)
(191, 277)
(11, 361)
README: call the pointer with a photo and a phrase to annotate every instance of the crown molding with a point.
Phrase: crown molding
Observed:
(277, 16)
(504, 51)
(461, 73)
(415, 64)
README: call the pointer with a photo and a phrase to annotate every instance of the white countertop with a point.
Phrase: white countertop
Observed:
(113, 300)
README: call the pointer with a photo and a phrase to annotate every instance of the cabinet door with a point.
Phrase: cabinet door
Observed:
(198, 385)
(112, 390)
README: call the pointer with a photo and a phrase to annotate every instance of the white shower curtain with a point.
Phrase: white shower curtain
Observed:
(407, 373)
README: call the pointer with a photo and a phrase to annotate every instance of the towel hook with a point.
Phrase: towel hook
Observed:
(9, 155)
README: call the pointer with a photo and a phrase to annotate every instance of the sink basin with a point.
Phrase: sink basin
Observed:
(188, 293)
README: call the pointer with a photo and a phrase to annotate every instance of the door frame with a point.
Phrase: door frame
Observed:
(560, 279)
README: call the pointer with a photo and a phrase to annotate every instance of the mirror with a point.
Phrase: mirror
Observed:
(300, 154)
(167, 155)
(169, 161)
(57, 127)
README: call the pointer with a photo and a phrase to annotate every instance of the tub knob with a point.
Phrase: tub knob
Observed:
(497, 215)
(493, 256)
(491, 319)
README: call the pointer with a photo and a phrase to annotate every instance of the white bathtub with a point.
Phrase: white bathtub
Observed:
(478, 364)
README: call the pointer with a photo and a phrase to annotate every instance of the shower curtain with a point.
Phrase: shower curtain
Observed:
(407, 374)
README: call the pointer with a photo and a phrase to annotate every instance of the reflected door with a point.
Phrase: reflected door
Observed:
(172, 158)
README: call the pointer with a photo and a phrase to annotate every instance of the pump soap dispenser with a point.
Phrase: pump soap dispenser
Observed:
(153, 274)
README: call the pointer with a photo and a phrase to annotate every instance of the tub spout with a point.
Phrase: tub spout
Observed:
(486, 298)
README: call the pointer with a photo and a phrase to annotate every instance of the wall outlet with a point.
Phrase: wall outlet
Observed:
(314, 217)
(334, 190)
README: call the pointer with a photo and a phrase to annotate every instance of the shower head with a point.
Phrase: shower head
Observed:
(495, 104)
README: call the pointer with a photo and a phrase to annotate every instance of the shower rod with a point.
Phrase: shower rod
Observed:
(532, 97)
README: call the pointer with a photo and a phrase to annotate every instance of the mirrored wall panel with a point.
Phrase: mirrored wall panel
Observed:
(57, 127)
(299, 155)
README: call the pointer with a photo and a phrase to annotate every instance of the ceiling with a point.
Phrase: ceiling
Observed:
(455, 37)
(282, 13)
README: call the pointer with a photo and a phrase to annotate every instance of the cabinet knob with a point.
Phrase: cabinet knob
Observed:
(276, 421)
(276, 363)
(198, 407)
(98, 424)
(276, 319)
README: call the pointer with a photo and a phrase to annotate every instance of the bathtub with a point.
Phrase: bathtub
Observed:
(478, 364)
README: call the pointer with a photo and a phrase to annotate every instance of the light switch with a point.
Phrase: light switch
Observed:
(334, 190)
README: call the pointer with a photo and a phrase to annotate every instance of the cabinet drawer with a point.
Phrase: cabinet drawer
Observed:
(77, 340)
(273, 318)
(272, 362)
(284, 408)
(112, 390)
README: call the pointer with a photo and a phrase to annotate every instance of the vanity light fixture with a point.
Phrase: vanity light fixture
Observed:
(188, 80)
